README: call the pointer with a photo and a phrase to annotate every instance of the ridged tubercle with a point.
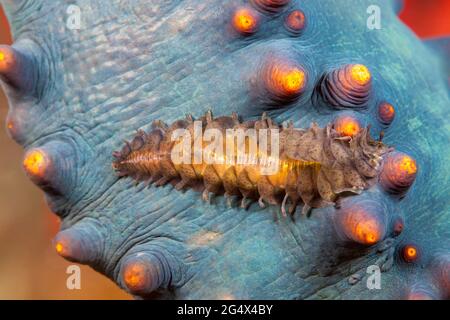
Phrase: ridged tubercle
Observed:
(316, 165)
(398, 173)
(81, 243)
(144, 272)
(364, 222)
(280, 79)
(18, 69)
(270, 6)
(346, 87)
(50, 167)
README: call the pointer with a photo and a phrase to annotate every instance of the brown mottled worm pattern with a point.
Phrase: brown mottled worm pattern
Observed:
(316, 165)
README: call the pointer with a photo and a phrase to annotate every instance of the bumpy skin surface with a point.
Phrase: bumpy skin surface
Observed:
(84, 91)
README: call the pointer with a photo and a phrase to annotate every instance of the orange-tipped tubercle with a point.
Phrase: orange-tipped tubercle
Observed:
(18, 69)
(144, 272)
(81, 243)
(361, 222)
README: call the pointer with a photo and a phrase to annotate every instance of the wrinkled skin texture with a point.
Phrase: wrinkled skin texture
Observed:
(133, 62)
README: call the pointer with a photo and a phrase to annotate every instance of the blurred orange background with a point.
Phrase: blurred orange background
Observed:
(29, 267)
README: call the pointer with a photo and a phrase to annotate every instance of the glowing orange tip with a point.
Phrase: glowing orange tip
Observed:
(368, 232)
(360, 74)
(10, 125)
(410, 253)
(408, 165)
(386, 112)
(388, 108)
(245, 20)
(293, 81)
(35, 163)
(362, 225)
(287, 80)
(347, 126)
(135, 275)
(6, 58)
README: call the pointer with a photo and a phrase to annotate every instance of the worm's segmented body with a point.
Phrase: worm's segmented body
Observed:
(315, 165)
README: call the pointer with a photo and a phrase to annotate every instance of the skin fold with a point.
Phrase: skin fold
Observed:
(76, 94)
